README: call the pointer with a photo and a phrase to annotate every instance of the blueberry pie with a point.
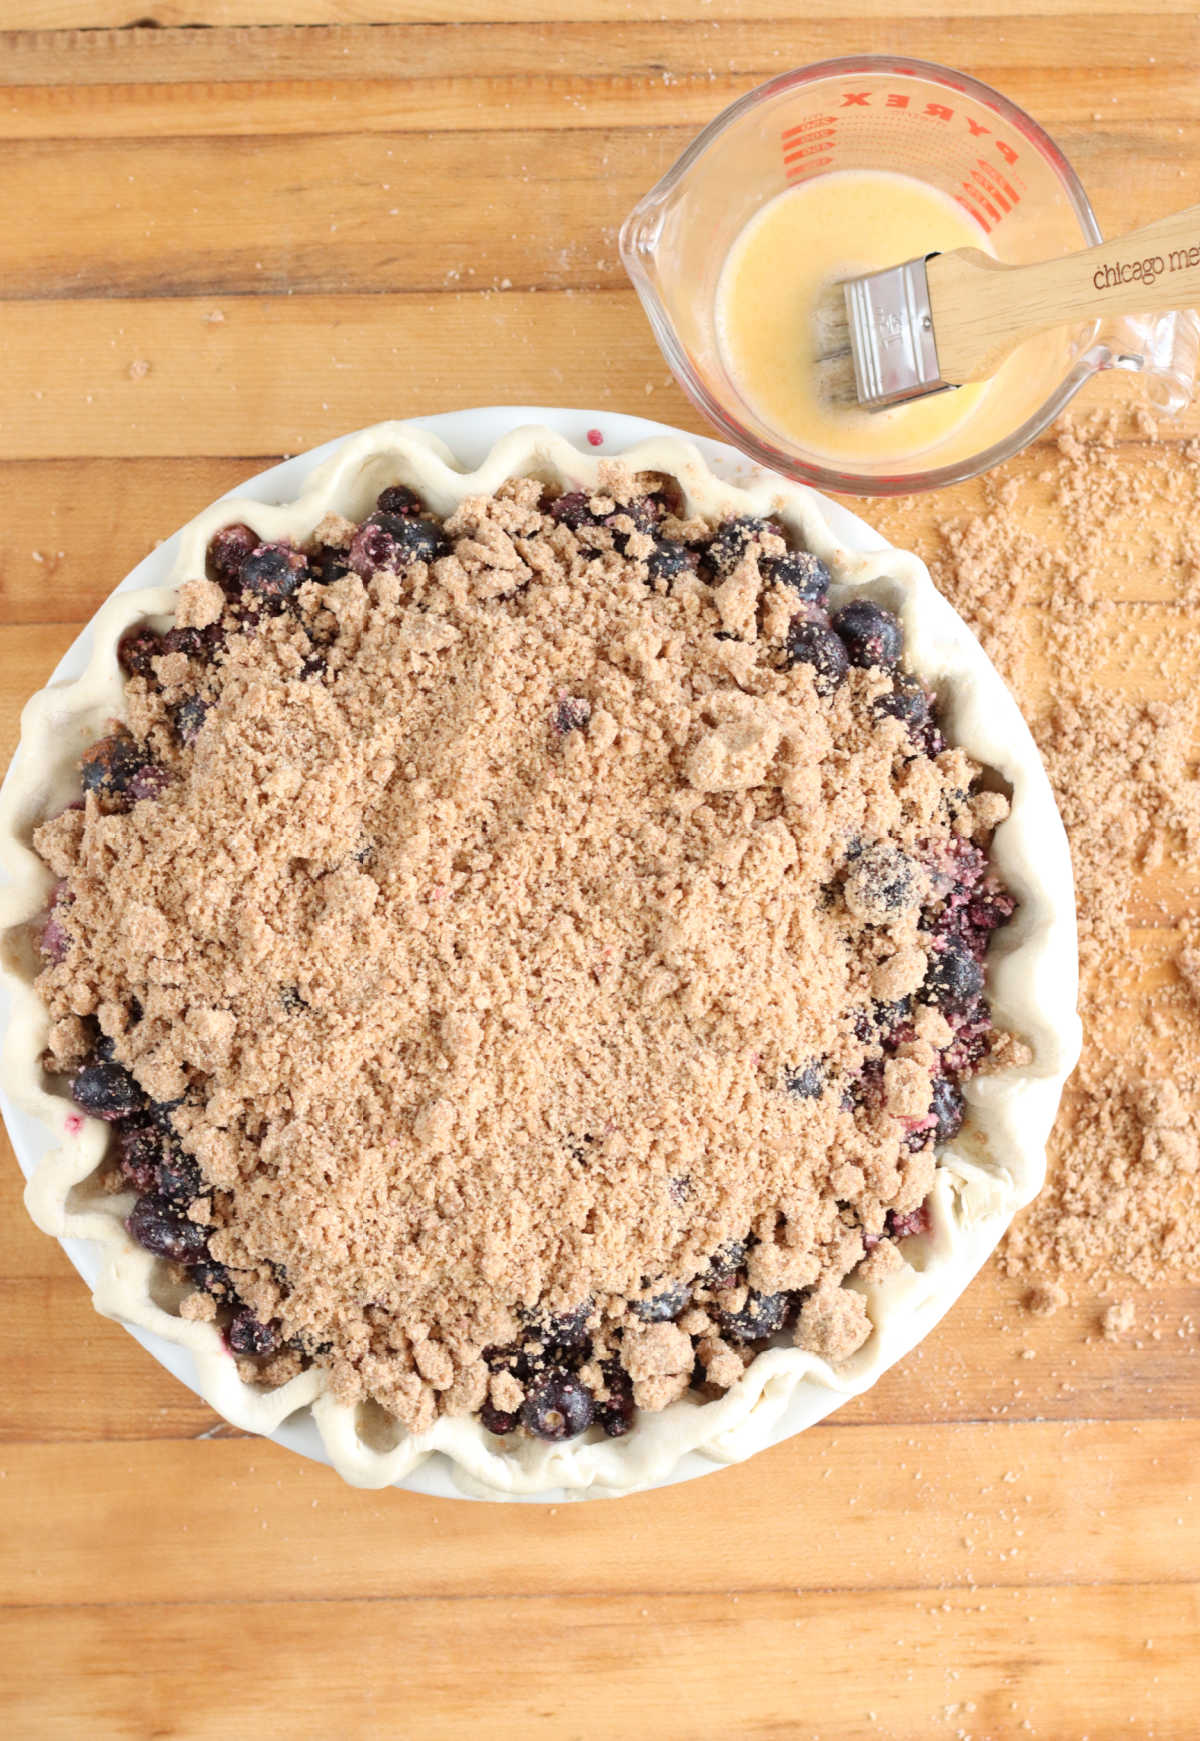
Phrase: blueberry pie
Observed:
(554, 965)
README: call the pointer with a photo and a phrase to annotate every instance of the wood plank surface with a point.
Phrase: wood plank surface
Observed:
(32, 15)
(960, 1505)
(603, 39)
(964, 1664)
(236, 241)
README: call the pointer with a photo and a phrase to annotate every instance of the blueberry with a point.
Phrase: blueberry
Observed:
(905, 1226)
(249, 1335)
(579, 1148)
(644, 511)
(272, 572)
(571, 510)
(328, 564)
(892, 1021)
(616, 1414)
(669, 559)
(801, 572)
(564, 1329)
(150, 781)
(55, 940)
(399, 499)
(725, 1264)
(559, 1407)
(156, 1227)
(178, 1178)
(807, 1082)
(954, 979)
(497, 1420)
(192, 643)
(662, 1308)
(212, 1278)
(732, 539)
(812, 643)
(948, 1107)
(760, 1317)
(880, 884)
(187, 717)
(307, 1344)
(228, 550)
(514, 1360)
(161, 1112)
(392, 541)
(573, 713)
(872, 635)
(991, 908)
(137, 648)
(423, 540)
(907, 700)
(867, 1088)
(107, 1091)
(139, 1152)
(110, 765)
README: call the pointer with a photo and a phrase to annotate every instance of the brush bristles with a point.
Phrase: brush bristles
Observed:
(833, 350)
(831, 325)
(890, 355)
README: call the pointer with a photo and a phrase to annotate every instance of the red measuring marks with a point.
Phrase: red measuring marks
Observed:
(986, 192)
(806, 147)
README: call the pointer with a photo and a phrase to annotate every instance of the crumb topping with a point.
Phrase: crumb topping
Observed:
(545, 946)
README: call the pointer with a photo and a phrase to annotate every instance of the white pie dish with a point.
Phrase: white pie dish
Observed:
(991, 1170)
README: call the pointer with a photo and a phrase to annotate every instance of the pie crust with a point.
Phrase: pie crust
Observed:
(989, 1171)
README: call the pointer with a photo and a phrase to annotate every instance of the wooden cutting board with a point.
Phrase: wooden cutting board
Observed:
(225, 244)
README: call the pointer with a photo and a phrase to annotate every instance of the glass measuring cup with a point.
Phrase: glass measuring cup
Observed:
(926, 121)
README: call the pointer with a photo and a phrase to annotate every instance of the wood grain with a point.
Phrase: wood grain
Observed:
(601, 39)
(299, 216)
(304, 216)
(964, 1663)
(316, 213)
(30, 15)
(68, 383)
(487, 102)
(961, 1505)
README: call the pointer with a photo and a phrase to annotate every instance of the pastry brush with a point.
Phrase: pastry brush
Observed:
(942, 320)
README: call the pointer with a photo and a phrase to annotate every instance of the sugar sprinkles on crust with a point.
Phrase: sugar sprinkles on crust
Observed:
(385, 956)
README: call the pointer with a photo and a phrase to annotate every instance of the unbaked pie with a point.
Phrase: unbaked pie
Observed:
(537, 958)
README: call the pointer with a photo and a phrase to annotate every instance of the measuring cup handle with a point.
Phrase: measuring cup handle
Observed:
(1164, 349)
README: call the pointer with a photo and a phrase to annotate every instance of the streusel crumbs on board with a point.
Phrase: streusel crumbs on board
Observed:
(1123, 1197)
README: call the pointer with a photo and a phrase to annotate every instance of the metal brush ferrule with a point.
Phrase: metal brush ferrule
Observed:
(891, 331)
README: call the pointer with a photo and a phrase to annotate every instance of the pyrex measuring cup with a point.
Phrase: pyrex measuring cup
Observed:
(876, 112)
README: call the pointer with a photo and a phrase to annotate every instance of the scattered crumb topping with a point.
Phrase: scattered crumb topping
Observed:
(1123, 1197)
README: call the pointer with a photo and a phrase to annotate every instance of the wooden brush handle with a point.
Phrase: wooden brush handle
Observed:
(983, 309)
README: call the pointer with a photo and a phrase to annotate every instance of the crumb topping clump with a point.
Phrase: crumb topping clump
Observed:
(528, 959)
